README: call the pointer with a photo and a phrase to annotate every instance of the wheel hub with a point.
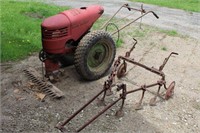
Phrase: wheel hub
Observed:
(96, 55)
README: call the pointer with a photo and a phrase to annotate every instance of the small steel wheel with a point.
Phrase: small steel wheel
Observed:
(121, 72)
(170, 91)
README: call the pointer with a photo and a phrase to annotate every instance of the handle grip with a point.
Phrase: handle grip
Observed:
(155, 15)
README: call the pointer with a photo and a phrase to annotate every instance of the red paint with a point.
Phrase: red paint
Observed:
(67, 25)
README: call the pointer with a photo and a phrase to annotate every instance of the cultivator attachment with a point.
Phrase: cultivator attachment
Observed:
(44, 86)
(119, 70)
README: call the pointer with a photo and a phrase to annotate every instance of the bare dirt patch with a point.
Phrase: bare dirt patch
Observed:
(22, 111)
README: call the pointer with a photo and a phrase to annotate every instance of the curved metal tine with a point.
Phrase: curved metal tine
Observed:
(153, 100)
(120, 112)
(138, 106)
(101, 101)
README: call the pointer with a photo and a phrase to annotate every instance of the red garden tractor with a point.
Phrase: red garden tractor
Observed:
(67, 40)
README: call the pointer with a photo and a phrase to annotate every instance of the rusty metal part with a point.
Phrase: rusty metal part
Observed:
(109, 83)
(166, 60)
(44, 86)
(122, 70)
(170, 91)
(61, 125)
(119, 70)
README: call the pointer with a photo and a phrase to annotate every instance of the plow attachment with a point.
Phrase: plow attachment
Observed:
(119, 70)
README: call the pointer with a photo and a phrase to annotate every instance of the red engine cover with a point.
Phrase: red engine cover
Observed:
(68, 25)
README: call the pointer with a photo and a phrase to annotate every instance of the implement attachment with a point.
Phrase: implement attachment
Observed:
(120, 70)
(44, 86)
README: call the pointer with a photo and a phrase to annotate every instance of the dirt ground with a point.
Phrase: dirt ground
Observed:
(22, 111)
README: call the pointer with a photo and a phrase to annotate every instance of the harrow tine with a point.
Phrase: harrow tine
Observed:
(153, 100)
(139, 105)
(47, 87)
(120, 112)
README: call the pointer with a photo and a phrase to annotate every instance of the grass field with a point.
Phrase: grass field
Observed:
(188, 5)
(20, 29)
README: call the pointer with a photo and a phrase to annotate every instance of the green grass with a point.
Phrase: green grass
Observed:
(169, 32)
(20, 29)
(188, 5)
(164, 48)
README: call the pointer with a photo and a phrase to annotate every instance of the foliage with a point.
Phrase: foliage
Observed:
(188, 5)
(20, 29)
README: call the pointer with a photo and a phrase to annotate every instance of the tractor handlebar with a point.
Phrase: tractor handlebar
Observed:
(155, 15)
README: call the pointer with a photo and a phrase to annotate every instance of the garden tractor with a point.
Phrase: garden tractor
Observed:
(67, 40)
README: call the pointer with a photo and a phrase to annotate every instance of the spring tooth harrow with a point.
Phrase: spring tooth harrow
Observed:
(44, 86)
(120, 70)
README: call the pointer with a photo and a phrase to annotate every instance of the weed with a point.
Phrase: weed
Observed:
(164, 48)
(169, 32)
(119, 42)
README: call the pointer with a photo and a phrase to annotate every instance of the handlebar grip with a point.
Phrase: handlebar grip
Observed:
(155, 15)
(174, 53)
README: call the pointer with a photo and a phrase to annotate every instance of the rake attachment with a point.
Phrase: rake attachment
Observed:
(44, 86)
(119, 70)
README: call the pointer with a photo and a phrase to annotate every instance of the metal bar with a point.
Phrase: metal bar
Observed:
(134, 21)
(138, 89)
(139, 10)
(154, 70)
(112, 17)
(78, 111)
(100, 113)
(166, 60)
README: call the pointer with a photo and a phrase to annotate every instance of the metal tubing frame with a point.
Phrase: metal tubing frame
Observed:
(129, 8)
(154, 70)
(108, 83)
(134, 21)
(107, 86)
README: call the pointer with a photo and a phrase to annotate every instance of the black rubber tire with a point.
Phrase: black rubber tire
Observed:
(82, 52)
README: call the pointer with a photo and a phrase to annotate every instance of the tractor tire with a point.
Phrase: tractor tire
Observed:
(94, 55)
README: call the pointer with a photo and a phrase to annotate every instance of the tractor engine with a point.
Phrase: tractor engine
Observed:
(62, 33)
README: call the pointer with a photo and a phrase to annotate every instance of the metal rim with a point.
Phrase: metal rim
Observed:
(98, 56)
(170, 91)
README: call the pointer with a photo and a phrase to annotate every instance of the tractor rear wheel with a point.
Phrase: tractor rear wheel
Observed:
(94, 55)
